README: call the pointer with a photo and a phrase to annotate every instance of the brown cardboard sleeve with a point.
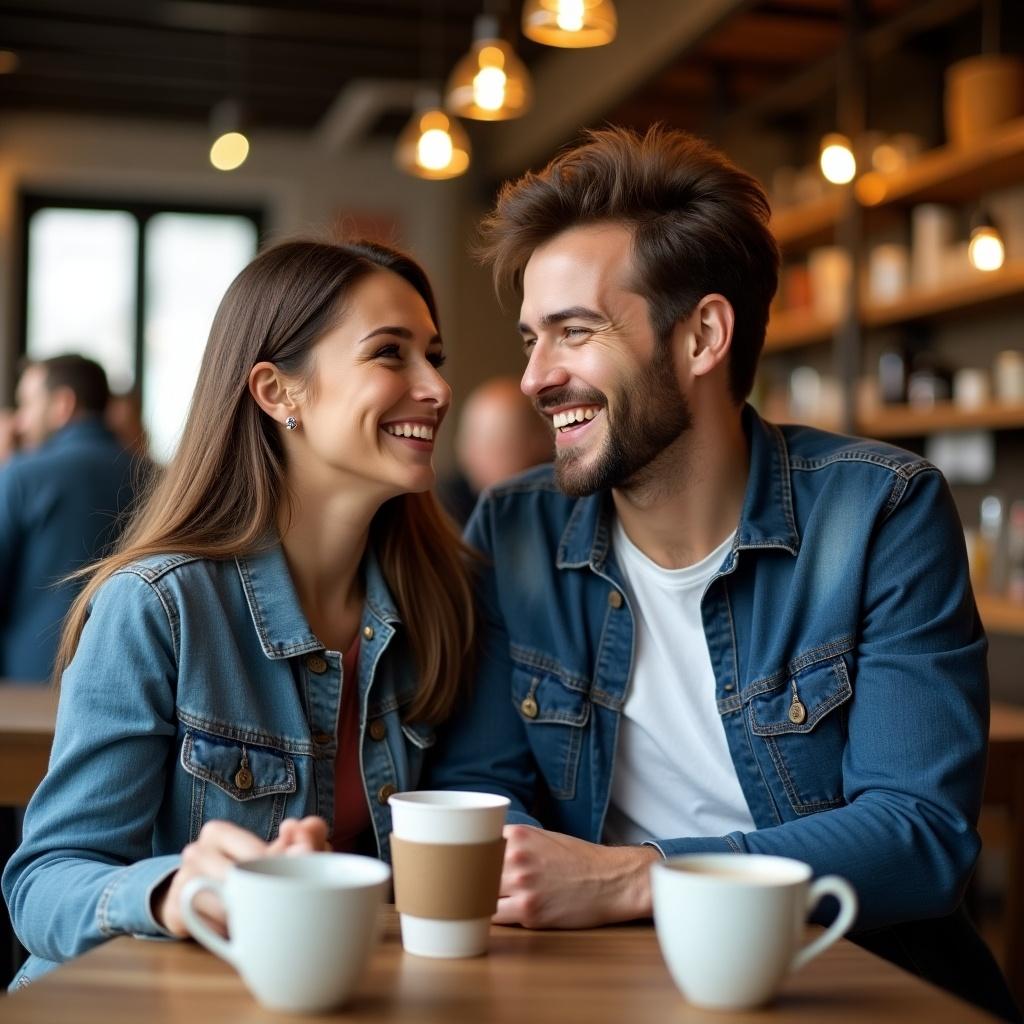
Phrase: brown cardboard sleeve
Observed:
(446, 881)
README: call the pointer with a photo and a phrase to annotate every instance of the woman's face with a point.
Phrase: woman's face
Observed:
(376, 397)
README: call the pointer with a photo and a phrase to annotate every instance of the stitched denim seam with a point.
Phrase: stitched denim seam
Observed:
(840, 696)
(242, 796)
(102, 905)
(170, 610)
(556, 717)
(734, 846)
(570, 531)
(815, 656)
(785, 483)
(900, 468)
(217, 729)
(568, 789)
(895, 497)
(152, 573)
(526, 657)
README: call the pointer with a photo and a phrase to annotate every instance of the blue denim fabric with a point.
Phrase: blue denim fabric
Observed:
(59, 506)
(184, 666)
(847, 584)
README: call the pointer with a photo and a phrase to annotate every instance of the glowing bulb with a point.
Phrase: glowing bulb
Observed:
(489, 88)
(986, 250)
(569, 17)
(837, 160)
(229, 151)
(434, 150)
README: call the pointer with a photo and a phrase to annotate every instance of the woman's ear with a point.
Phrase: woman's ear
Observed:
(269, 387)
(713, 322)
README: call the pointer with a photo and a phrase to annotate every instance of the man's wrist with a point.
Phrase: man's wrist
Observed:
(636, 888)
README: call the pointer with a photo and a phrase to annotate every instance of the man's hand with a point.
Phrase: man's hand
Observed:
(220, 845)
(551, 880)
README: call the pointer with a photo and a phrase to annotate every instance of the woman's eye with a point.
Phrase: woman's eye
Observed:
(437, 359)
(387, 352)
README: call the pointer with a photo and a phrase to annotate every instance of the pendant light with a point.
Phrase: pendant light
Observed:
(837, 161)
(433, 144)
(570, 23)
(490, 83)
(230, 147)
(985, 249)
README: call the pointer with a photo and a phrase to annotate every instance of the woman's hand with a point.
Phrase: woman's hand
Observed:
(220, 845)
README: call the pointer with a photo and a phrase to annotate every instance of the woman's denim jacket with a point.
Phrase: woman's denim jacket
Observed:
(846, 588)
(187, 668)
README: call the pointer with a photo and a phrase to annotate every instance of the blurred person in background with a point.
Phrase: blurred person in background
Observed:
(499, 435)
(265, 658)
(61, 502)
(124, 419)
(8, 436)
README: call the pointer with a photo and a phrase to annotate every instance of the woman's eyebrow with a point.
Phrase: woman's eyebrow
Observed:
(398, 332)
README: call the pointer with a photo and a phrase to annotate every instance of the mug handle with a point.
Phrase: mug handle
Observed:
(199, 929)
(828, 885)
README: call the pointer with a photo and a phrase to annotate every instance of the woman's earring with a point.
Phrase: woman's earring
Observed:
(291, 423)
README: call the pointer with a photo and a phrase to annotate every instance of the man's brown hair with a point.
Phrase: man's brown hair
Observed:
(700, 226)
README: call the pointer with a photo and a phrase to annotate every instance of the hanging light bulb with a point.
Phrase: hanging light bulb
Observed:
(838, 163)
(432, 145)
(570, 23)
(230, 146)
(490, 83)
(985, 250)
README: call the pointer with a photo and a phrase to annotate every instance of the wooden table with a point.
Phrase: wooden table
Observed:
(27, 715)
(601, 976)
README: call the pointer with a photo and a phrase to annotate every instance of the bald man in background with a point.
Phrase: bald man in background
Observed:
(499, 435)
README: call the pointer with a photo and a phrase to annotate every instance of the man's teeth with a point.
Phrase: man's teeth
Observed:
(419, 430)
(571, 416)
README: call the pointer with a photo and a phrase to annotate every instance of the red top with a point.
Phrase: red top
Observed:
(351, 813)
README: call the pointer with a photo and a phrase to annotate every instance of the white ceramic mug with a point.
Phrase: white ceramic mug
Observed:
(731, 926)
(301, 928)
(440, 819)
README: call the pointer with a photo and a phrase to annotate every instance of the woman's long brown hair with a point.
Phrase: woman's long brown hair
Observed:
(219, 496)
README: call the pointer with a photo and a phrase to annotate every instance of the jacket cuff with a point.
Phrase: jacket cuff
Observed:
(697, 844)
(125, 908)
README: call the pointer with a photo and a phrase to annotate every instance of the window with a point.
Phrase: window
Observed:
(134, 287)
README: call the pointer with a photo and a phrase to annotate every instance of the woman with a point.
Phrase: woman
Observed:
(283, 625)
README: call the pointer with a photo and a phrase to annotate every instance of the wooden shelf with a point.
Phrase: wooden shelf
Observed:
(907, 421)
(977, 289)
(950, 174)
(807, 224)
(796, 327)
(1000, 615)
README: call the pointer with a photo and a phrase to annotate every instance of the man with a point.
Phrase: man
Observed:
(498, 436)
(60, 500)
(704, 632)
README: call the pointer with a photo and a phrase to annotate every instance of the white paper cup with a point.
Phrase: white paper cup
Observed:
(301, 928)
(438, 818)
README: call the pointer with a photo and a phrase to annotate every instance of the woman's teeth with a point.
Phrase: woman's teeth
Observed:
(420, 430)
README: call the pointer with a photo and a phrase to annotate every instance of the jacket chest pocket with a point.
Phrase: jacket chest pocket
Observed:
(802, 728)
(555, 716)
(236, 782)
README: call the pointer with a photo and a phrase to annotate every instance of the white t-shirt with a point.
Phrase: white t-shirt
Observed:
(673, 774)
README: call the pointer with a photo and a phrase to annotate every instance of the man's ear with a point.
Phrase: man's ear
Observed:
(63, 404)
(271, 391)
(711, 327)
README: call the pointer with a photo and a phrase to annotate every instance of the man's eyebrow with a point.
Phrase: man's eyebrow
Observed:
(572, 313)
(398, 332)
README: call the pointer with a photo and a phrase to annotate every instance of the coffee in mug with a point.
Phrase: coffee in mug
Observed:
(301, 927)
(731, 926)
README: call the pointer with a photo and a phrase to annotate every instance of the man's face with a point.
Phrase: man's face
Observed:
(596, 369)
(35, 418)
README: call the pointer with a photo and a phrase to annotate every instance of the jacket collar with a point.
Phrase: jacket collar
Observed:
(766, 520)
(276, 613)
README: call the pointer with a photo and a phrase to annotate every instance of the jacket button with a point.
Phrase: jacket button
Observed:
(322, 738)
(529, 707)
(797, 712)
(243, 778)
(615, 599)
(378, 730)
(316, 664)
(368, 632)
(729, 687)
(384, 792)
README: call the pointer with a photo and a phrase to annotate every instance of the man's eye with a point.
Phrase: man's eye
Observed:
(528, 344)
(577, 332)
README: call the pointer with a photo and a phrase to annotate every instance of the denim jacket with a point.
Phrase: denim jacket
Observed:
(846, 586)
(187, 666)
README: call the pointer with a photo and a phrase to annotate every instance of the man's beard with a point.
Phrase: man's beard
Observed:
(651, 413)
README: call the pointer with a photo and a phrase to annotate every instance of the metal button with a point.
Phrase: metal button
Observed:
(243, 778)
(615, 599)
(368, 632)
(729, 687)
(797, 712)
(316, 664)
(529, 707)
(384, 792)
(322, 738)
(378, 730)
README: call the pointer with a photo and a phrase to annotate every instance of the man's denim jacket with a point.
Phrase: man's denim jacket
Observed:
(846, 587)
(186, 669)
